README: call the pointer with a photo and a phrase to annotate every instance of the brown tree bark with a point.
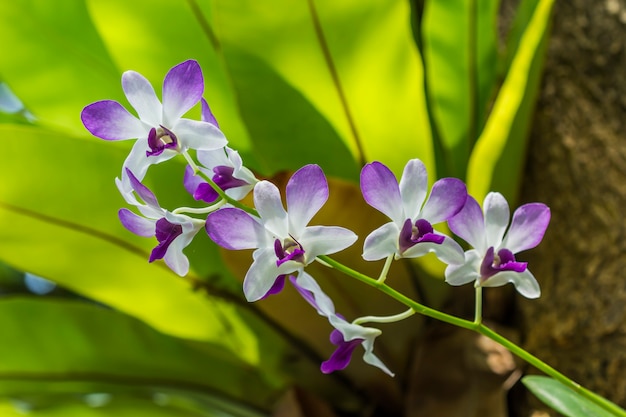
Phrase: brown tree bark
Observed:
(577, 165)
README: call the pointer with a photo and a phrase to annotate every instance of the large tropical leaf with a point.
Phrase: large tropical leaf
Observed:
(65, 346)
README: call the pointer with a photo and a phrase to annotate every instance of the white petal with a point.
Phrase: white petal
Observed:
(194, 134)
(496, 218)
(142, 97)
(325, 240)
(525, 283)
(448, 251)
(413, 187)
(270, 208)
(381, 243)
(466, 272)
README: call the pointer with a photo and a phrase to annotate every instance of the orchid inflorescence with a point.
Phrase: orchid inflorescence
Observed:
(283, 242)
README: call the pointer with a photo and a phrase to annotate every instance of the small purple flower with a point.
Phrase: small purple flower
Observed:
(284, 243)
(492, 262)
(346, 336)
(410, 234)
(160, 130)
(174, 232)
(225, 168)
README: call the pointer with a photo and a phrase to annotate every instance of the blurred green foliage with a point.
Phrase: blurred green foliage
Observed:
(337, 83)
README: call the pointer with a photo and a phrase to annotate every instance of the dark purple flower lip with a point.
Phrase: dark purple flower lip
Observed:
(340, 358)
(289, 250)
(277, 287)
(166, 232)
(224, 178)
(159, 139)
(414, 233)
(504, 260)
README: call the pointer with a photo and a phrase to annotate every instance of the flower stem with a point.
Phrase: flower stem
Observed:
(478, 327)
(385, 319)
(383, 273)
(478, 310)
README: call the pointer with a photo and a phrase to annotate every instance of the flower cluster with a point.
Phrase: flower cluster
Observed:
(283, 241)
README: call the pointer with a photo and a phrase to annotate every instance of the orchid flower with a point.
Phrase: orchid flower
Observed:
(284, 243)
(346, 336)
(492, 262)
(160, 130)
(223, 166)
(410, 234)
(174, 232)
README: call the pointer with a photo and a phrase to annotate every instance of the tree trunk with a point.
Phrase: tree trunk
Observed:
(577, 165)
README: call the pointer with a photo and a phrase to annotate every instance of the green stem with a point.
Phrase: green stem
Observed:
(478, 327)
(478, 311)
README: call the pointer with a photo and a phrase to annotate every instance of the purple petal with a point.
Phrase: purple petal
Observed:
(446, 199)
(529, 224)
(307, 191)
(380, 190)
(166, 232)
(413, 187)
(469, 224)
(207, 115)
(136, 224)
(198, 188)
(142, 97)
(341, 356)
(182, 89)
(109, 120)
(141, 190)
(310, 290)
(234, 229)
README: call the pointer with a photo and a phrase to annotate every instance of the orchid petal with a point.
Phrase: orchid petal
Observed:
(469, 224)
(466, 272)
(206, 115)
(182, 89)
(496, 218)
(263, 273)
(213, 158)
(446, 199)
(199, 135)
(234, 229)
(380, 190)
(525, 283)
(448, 251)
(136, 224)
(175, 259)
(307, 191)
(142, 97)
(270, 208)
(381, 243)
(141, 190)
(342, 355)
(370, 358)
(310, 290)
(108, 120)
(528, 226)
(413, 187)
(325, 240)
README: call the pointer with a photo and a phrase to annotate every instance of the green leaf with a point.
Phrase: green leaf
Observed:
(58, 220)
(57, 63)
(562, 399)
(56, 346)
(499, 130)
(298, 66)
(460, 55)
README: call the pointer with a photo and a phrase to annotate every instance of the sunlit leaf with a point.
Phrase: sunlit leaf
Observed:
(85, 348)
(492, 143)
(460, 54)
(306, 55)
(562, 399)
(54, 61)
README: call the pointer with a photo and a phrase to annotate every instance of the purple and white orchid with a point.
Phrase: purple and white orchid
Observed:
(346, 336)
(410, 234)
(284, 243)
(174, 232)
(492, 262)
(160, 130)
